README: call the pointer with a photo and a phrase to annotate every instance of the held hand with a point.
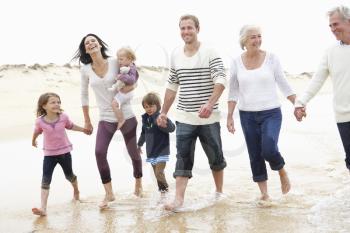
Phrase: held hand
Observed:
(88, 129)
(205, 110)
(230, 125)
(139, 150)
(299, 113)
(34, 143)
(162, 120)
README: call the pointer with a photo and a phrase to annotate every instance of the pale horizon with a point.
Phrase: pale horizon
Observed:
(50, 31)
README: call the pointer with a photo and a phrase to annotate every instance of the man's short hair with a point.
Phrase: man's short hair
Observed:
(191, 17)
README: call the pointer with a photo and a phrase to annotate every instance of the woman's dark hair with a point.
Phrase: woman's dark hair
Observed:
(84, 57)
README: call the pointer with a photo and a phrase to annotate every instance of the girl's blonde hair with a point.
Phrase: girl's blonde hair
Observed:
(152, 98)
(128, 52)
(43, 99)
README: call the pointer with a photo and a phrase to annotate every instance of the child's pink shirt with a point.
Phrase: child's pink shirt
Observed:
(55, 140)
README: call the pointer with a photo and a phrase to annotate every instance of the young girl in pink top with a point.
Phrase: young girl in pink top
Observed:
(52, 123)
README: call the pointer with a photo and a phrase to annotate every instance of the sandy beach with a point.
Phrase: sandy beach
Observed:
(318, 201)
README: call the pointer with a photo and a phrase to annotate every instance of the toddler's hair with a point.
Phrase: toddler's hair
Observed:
(151, 98)
(128, 52)
(43, 99)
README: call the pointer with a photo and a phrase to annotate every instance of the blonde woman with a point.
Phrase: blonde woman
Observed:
(254, 75)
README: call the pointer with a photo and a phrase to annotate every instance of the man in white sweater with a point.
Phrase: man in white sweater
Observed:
(336, 64)
(197, 74)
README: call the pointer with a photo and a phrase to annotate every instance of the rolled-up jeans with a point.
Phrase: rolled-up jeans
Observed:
(261, 132)
(186, 137)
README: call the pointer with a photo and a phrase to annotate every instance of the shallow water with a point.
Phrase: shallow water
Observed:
(318, 201)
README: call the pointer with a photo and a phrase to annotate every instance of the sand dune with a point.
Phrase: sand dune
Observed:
(21, 85)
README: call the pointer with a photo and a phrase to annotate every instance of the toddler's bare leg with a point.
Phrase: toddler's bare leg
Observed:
(118, 113)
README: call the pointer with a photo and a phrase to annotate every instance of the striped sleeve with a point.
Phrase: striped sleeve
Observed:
(173, 80)
(217, 69)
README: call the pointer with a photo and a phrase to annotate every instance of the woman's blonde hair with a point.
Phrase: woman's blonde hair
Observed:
(244, 32)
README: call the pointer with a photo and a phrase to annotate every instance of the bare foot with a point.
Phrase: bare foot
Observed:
(264, 197)
(138, 192)
(120, 123)
(76, 196)
(218, 195)
(265, 203)
(173, 205)
(138, 187)
(104, 203)
(285, 184)
(39, 212)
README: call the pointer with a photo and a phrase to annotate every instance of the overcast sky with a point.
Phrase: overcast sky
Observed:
(45, 31)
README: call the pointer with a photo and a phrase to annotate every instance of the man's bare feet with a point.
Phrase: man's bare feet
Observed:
(264, 197)
(38, 211)
(104, 203)
(138, 187)
(173, 205)
(285, 184)
(120, 123)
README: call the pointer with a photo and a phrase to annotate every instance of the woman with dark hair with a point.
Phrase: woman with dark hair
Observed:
(100, 71)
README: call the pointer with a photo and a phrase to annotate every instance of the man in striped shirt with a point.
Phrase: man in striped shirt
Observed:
(198, 74)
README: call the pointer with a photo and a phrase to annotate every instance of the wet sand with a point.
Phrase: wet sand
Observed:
(318, 201)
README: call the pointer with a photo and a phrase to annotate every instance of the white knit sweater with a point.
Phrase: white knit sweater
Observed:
(336, 64)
